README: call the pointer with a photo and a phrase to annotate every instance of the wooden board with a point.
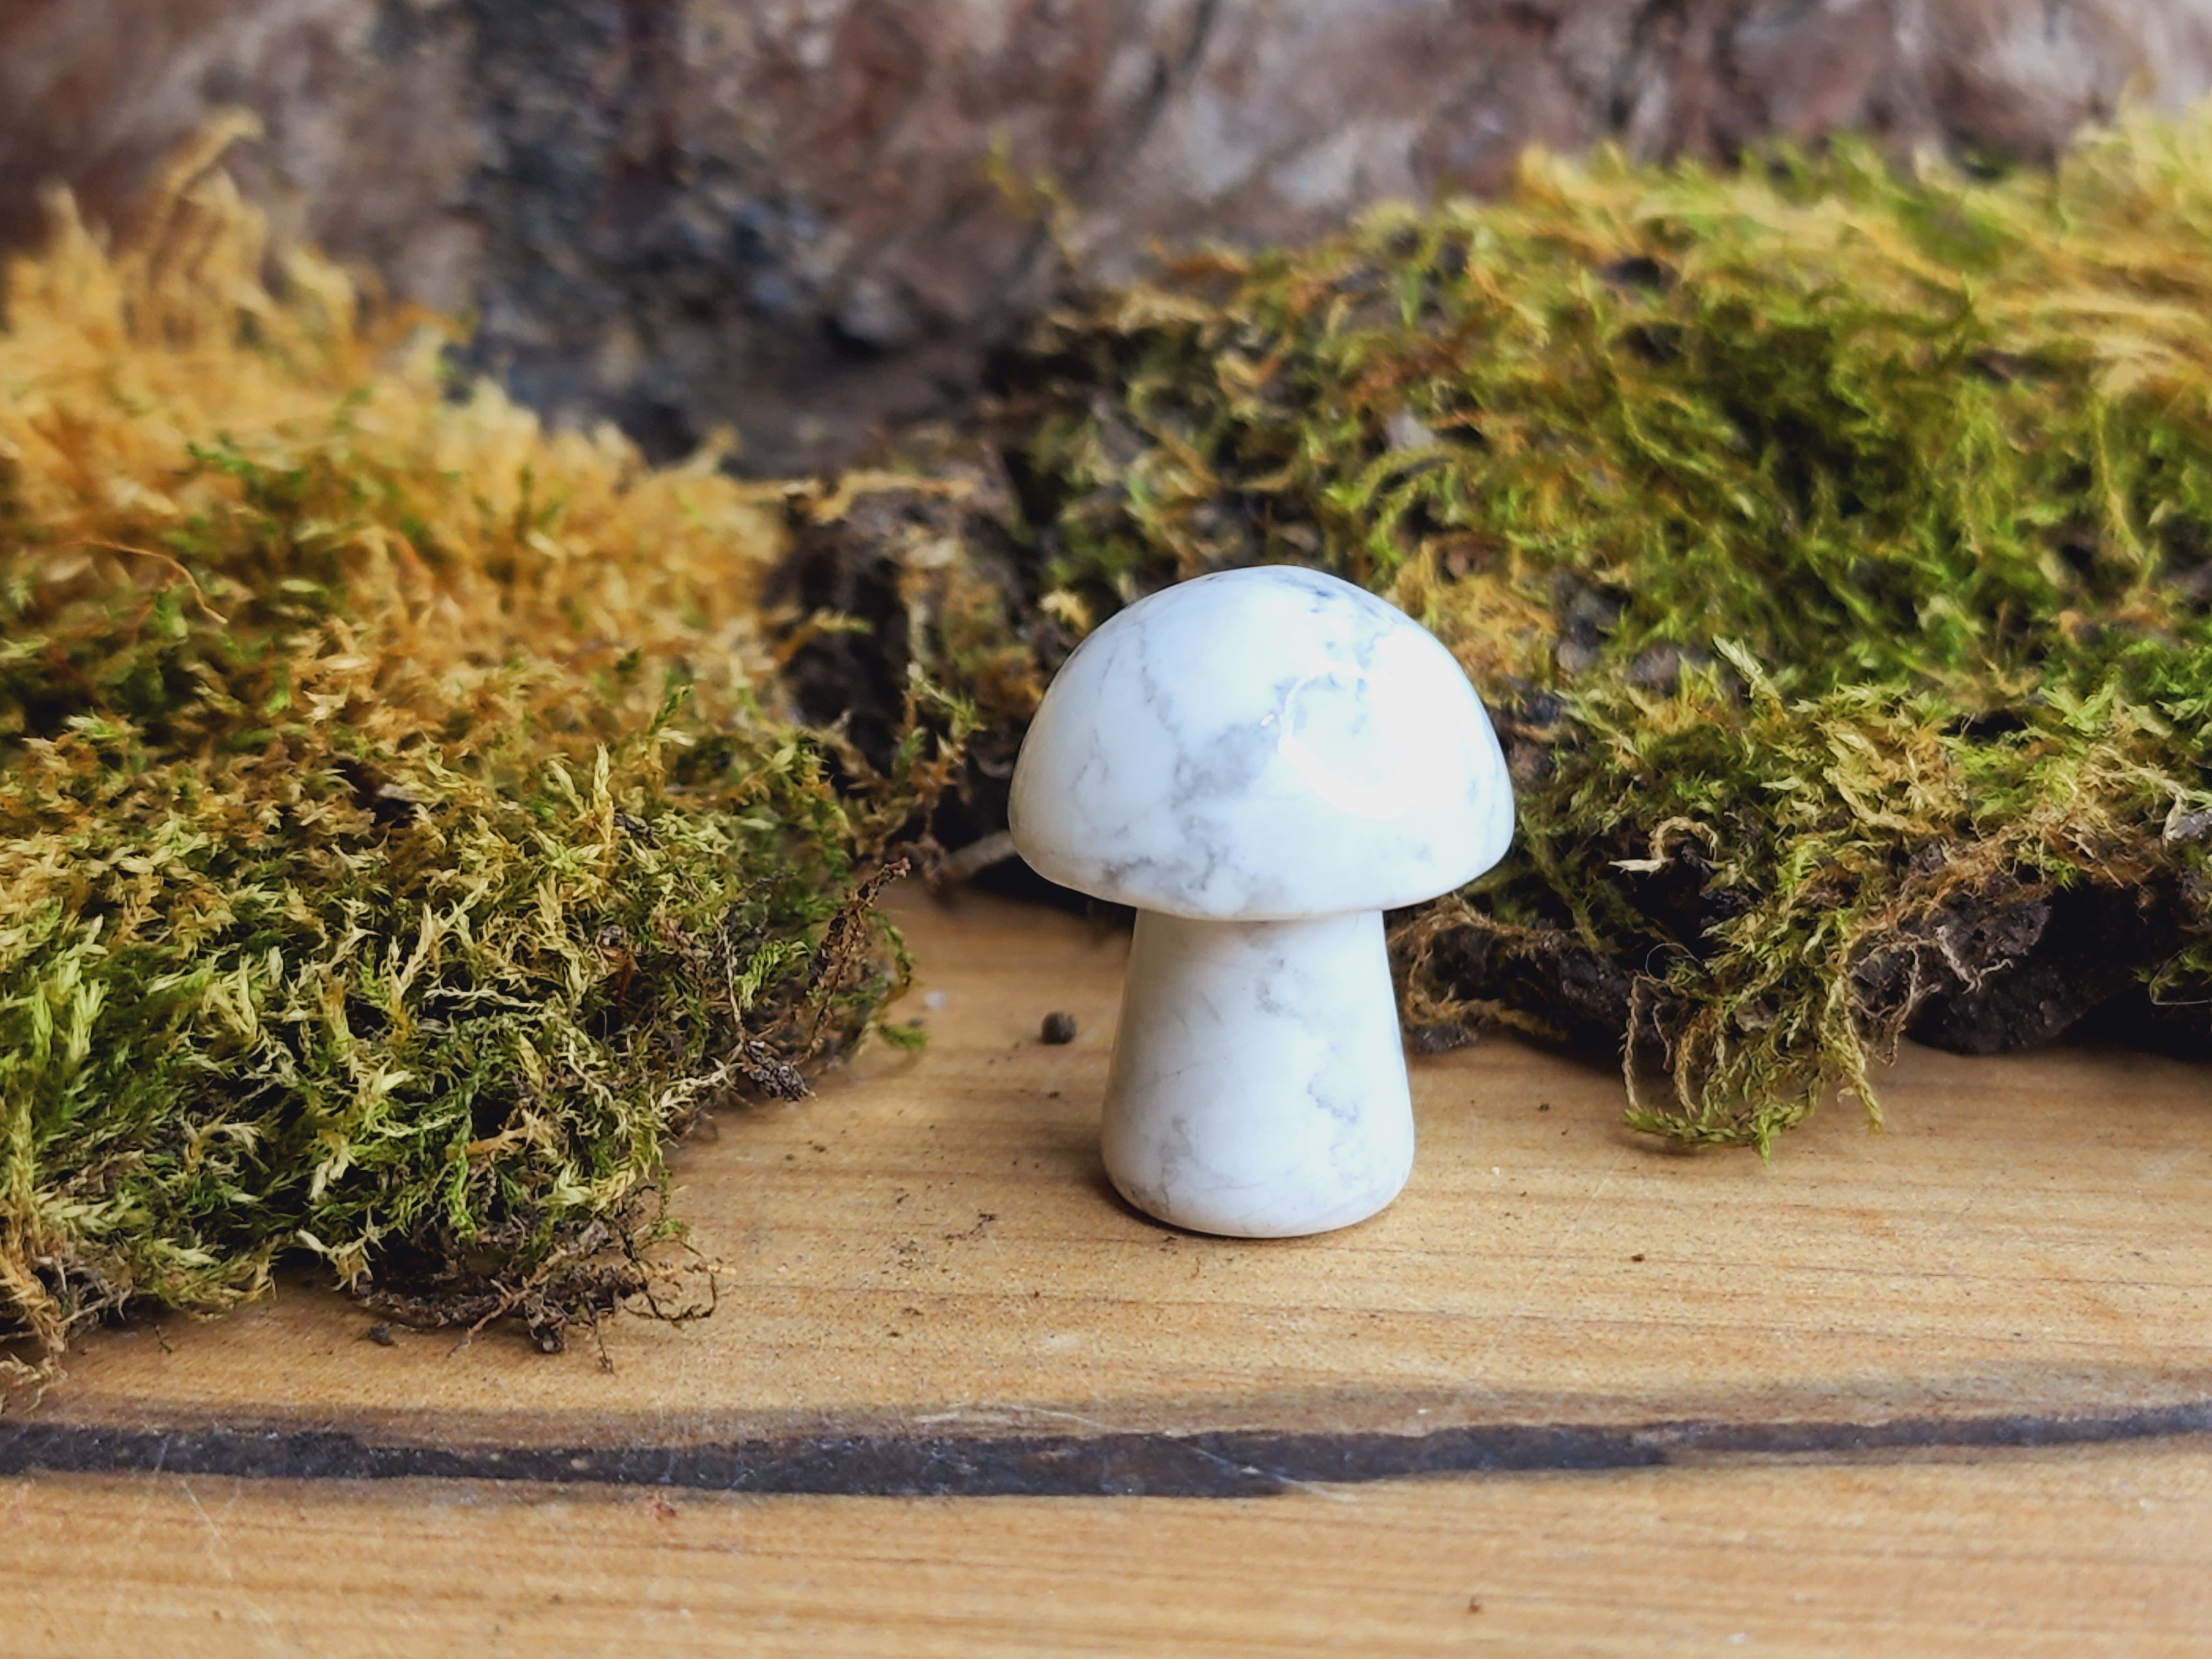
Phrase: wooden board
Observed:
(1668, 1385)
(2038, 1556)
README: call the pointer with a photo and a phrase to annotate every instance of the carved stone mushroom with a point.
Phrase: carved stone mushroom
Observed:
(1260, 762)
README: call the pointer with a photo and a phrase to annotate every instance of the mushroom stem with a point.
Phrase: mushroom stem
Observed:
(1258, 1087)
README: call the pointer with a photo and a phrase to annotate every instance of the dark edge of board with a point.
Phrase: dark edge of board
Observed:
(1244, 1463)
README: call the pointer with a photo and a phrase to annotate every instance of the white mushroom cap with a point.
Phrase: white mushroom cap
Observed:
(1261, 745)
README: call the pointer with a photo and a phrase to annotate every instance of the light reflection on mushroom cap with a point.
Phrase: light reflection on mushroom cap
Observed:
(1261, 744)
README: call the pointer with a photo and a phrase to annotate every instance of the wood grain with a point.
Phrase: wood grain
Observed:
(2066, 1556)
(927, 1287)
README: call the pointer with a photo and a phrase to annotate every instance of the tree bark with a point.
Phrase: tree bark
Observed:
(780, 215)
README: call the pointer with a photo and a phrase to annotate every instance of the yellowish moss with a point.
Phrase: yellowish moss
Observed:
(393, 852)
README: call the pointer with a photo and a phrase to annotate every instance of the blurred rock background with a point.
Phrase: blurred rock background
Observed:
(779, 215)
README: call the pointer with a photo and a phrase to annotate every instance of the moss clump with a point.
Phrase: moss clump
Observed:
(392, 854)
(1836, 548)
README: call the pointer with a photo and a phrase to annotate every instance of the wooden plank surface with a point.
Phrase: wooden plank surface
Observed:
(927, 1287)
(2096, 1552)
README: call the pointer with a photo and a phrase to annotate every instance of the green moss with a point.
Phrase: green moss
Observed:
(393, 856)
(1835, 547)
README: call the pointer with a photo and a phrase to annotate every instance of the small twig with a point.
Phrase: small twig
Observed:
(839, 948)
(979, 855)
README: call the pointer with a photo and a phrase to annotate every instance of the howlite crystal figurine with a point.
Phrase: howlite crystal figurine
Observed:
(1262, 762)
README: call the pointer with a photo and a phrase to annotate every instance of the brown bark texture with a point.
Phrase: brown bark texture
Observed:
(809, 220)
